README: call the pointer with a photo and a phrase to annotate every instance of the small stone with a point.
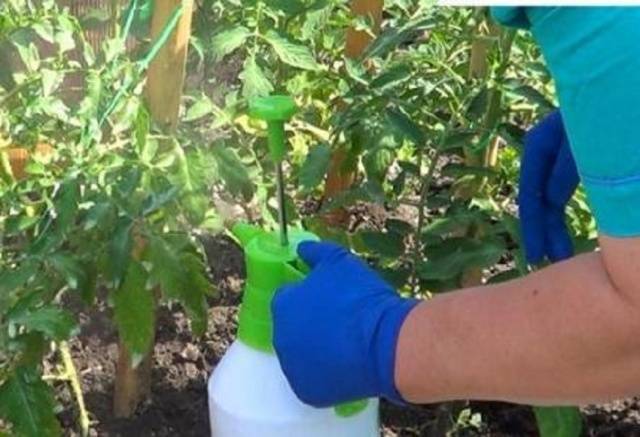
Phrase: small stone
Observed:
(191, 370)
(190, 353)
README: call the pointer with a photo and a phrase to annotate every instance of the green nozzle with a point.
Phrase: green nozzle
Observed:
(276, 111)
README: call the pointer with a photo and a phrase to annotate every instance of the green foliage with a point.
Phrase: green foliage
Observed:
(101, 185)
(27, 403)
(558, 421)
(134, 312)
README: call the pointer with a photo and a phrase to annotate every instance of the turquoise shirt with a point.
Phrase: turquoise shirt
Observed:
(594, 57)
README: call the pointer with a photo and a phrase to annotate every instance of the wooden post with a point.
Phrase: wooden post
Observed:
(357, 41)
(341, 175)
(167, 72)
(164, 90)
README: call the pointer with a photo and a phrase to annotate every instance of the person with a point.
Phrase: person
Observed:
(565, 334)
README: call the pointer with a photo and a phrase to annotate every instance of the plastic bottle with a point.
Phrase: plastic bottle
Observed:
(249, 395)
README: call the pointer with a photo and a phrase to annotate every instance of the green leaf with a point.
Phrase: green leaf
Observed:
(134, 313)
(70, 268)
(453, 223)
(193, 298)
(56, 323)
(392, 77)
(478, 105)
(396, 276)
(19, 223)
(142, 126)
(458, 139)
(201, 108)
(254, 82)
(291, 53)
(11, 280)
(289, 7)
(233, 172)
(314, 22)
(51, 80)
(45, 30)
(393, 37)
(195, 207)
(67, 205)
(65, 35)
(399, 227)
(98, 215)
(370, 191)
(532, 95)
(229, 40)
(157, 200)
(181, 277)
(28, 404)
(558, 421)
(119, 251)
(203, 169)
(377, 163)
(315, 166)
(30, 347)
(29, 56)
(406, 127)
(213, 222)
(455, 255)
(384, 244)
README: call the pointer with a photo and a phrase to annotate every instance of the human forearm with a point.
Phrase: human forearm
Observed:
(564, 334)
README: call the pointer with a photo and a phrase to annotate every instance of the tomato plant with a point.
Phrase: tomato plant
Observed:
(110, 211)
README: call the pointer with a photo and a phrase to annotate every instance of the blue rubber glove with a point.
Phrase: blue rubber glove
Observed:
(548, 179)
(335, 333)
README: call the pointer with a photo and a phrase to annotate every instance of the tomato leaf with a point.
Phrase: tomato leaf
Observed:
(56, 323)
(134, 313)
(315, 166)
(254, 81)
(181, 277)
(228, 40)
(27, 403)
(119, 251)
(290, 52)
(558, 421)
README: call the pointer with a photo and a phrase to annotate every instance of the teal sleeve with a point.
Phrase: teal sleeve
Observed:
(514, 16)
(594, 57)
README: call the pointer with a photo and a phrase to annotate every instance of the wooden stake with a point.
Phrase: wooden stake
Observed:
(167, 72)
(164, 90)
(358, 40)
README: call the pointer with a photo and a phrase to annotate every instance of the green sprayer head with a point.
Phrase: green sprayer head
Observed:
(276, 111)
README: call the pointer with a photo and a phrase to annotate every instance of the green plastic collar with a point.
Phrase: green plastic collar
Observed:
(269, 266)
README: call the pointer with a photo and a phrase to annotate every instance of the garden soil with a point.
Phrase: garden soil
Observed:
(178, 404)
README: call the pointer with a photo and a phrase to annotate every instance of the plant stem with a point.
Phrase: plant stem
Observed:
(72, 376)
(422, 204)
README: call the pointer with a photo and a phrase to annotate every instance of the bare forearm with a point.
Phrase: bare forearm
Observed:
(564, 334)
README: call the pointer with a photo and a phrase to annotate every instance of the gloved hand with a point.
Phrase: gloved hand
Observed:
(548, 179)
(335, 333)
